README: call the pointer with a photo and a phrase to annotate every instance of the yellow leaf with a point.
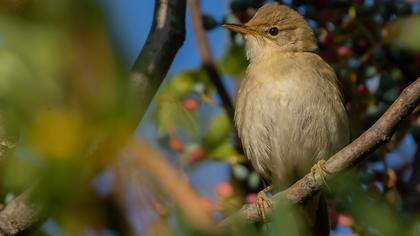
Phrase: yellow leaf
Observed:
(58, 134)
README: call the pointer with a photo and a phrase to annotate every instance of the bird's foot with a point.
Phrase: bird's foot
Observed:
(323, 173)
(263, 202)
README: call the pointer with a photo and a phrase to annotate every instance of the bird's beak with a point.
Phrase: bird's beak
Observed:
(243, 29)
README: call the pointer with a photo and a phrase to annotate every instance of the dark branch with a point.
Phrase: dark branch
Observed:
(165, 38)
(369, 141)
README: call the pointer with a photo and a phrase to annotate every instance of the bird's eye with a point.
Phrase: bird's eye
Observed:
(273, 31)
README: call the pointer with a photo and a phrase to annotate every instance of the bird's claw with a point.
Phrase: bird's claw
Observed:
(263, 202)
(323, 172)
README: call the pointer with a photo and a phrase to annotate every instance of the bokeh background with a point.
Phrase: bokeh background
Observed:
(63, 78)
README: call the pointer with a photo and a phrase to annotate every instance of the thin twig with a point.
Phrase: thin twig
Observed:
(353, 153)
(207, 58)
(173, 185)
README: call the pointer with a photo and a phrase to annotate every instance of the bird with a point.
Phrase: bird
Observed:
(289, 110)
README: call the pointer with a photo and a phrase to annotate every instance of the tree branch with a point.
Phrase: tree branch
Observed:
(380, 133)
(174, 185)
(20, 214)
(165, 38)
(207, 58)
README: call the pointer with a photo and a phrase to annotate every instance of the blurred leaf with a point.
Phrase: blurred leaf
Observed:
(391, 95)
(181, 84)
(286, 219)
(406, 32)
(27, 67)
(169, 115)
(253, 180)
(222, 151)
(168, 112)
(217, 133)
(415, 131)
(234, 61)
(58, 134)
(387, 82)
(367, 208)
(35, 43)
(12, 68)
(240, 171)
(19, 174)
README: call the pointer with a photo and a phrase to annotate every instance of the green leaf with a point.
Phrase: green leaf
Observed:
(181, 84)
(391, 95)
(169, 114)
(12, 68)
(222, 151)
(185, 82)
(406, 32)
(35, 43)
(253, 180)
(240, 171)
(217, 133)
(234, 61)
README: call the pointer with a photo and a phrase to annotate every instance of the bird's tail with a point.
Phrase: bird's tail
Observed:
(316, 214)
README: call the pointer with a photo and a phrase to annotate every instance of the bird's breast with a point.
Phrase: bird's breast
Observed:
(288, 121)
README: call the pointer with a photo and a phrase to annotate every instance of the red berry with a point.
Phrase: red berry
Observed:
(362, 89)
(345, 220)
(206, 203)
(175, 144)
(345, 51)
(224, 190)
(190, 104)
(197, 154)
(251, 198)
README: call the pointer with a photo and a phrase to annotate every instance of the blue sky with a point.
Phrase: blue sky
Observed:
(130, 22)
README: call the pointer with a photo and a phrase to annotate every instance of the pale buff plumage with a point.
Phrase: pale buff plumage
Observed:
(289, 115)
(289, 109)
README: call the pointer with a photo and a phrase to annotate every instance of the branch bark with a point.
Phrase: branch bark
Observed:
(166, 36)
(20, 214)
(380, 133)
(207, 58)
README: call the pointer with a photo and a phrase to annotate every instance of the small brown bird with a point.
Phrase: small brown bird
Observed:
(289, 110)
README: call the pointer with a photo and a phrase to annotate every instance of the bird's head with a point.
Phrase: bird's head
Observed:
(275, 28)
